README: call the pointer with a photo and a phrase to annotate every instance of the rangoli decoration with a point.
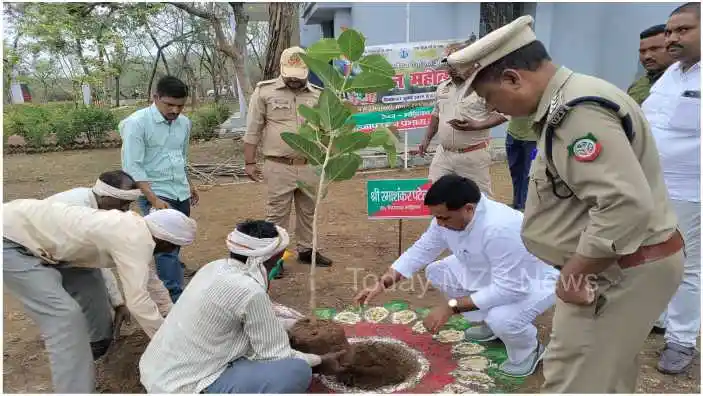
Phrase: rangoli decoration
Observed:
(448, 362)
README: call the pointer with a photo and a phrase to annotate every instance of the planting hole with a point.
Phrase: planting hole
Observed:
(379, 365)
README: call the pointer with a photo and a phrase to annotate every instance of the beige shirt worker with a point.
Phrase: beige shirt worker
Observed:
(620, 201)
(446, 109)
(273, 109)
(89, 238)
(83, 196)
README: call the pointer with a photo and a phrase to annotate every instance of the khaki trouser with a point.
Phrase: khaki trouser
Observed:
(474, 165)
(594, 349)
(281, 183)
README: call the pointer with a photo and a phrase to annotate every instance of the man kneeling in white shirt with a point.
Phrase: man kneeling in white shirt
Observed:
(223, 336)
(490, 276)
(41, 238)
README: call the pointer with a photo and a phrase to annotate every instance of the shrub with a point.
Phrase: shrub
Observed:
(92, 122)
(68, 121)
(207, 119)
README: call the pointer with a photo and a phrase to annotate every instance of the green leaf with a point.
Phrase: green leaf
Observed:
(308, 189)
(304, 146)
(325, 50)
(352, 142)
(332, 112)
(370, 82)
(379, 137)
(352, 109)
(343, 167)
(457, 322)
(396, 306)
(310, 114)
(307, 132)
(422, 312)
(376, 64)
(325, 313)
(352, 44)
(391, 153)
(327, 73)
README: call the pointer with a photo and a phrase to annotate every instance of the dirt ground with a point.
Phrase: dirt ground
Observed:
(359, 247)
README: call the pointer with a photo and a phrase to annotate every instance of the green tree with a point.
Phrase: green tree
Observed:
(327, 137)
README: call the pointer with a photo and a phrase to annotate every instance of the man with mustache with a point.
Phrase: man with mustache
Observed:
(464, 130)
(273, 109)
(155, 152)
(654, 57)
(490, 277)
(673, 111)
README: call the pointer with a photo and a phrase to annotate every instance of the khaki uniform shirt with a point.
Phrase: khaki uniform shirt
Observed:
(273, 109)
(620, 201)
(90, 238)
(446, 109)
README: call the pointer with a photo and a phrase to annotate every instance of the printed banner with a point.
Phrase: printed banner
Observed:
(397, 198)
(403, 119)
(409, 104)
(417, 72)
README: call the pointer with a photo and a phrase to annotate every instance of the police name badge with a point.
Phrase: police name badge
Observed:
(585, 149)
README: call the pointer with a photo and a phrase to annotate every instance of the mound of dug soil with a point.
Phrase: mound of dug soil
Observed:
(118, 371)
(319, 337)
(378, 364)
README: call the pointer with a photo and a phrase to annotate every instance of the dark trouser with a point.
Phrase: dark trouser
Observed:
(519, 160)
(168, 265)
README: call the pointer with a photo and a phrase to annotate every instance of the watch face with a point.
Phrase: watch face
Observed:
(452, 303)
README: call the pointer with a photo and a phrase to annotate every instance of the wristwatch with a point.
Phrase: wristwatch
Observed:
(454, 305)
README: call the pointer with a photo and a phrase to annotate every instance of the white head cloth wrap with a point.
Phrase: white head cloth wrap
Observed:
(172, 226)
(257, 251)
(103, 189)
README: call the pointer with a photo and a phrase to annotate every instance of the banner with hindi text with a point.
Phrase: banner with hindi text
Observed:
(409, 105)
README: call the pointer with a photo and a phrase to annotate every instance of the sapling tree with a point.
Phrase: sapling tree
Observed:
(327, 138)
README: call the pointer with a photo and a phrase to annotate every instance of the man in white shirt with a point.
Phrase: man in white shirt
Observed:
(223, 335)
(673, 111)
(113, 190)
(42, 237)
(489, 277)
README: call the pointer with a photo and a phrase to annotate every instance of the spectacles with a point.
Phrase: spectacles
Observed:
(276, 269)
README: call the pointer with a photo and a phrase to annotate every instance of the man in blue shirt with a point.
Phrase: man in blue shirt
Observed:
(154, 152)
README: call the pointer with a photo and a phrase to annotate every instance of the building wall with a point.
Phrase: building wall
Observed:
(600, 39)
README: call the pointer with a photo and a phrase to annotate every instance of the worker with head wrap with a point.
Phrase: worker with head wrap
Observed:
(229, 336)
(42, 237)
(104, 307)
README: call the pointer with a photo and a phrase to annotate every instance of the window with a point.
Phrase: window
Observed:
(495, 15)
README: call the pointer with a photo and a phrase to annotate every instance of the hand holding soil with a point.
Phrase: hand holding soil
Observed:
(333, 363)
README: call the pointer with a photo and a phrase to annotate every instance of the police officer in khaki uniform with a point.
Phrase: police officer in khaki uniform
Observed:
(597, 208)
(273, 110)
(463, 127)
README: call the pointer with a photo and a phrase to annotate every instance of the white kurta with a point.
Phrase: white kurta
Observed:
(491, 261)
(510, 286)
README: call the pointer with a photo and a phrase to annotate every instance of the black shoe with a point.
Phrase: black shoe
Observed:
(305, 257)
(658, 330)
